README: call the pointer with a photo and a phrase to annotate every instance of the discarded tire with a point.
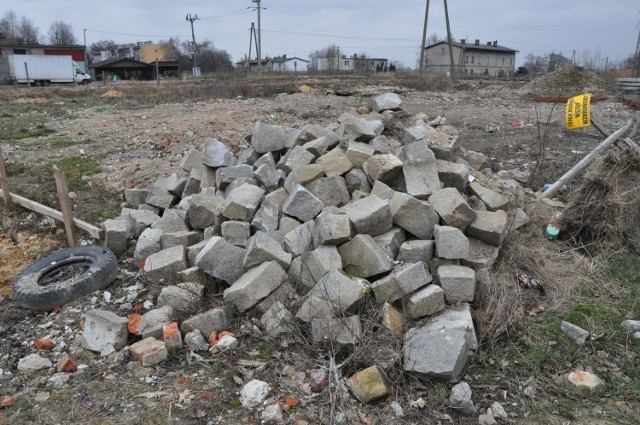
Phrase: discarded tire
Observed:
(64, 276)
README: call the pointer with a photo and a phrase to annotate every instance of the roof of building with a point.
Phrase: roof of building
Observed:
(280, 59)
(480, 47)
(111, 61)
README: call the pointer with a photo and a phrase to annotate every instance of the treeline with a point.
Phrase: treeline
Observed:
(23, 31)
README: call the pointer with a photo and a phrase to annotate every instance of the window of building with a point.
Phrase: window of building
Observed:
(511, 61)
(472, 58)
(466, 59)
(19, 51)
(496, 61)
(503, 61)
(346, 63)
(471, 72)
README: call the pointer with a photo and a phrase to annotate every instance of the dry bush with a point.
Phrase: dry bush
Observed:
(605, 208)
(503, 305)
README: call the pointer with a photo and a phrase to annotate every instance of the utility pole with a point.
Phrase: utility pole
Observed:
(192, 19)
(446, 14)
(86, 61)
(252, 39)
(424, 38)
(636, 63)
(257, 7)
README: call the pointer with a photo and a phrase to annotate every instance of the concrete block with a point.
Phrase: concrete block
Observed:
(489, 227)
(221, 260)
(452, 208)
(243, 202)
(254, 285)
(302, 204)
(415, 216)
(182, 238)
(115, 236)
(451, 243)
(362, 257)
(416, 250)
(225, 175)
(385, 168)
(425, 302)
(391, 241)
(332, 191)
(104, 331)
(420, 170)
(236, 232)
(217, 154)
(267, 138)
(493, 200)
(334, 163)
(262, 248)
(165, 264)
(370, 215)
(458, 283)
(149, 351)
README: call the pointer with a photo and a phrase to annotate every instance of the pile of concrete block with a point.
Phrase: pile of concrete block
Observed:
(328, 217)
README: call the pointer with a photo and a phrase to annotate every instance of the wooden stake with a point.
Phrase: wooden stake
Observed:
(587, 159)
(3, 180)
(65, 206)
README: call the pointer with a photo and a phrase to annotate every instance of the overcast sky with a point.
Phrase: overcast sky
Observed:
(378, 28)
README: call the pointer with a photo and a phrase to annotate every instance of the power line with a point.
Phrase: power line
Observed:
(340, 36)
(135, 35)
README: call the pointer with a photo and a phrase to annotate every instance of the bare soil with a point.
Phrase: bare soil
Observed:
(141, 137)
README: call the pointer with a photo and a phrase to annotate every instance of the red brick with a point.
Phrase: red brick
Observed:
(134, 323)
(45, 344)
(66, 364)
(172, 336)
(7, 401)
(291, 401)
(149, 351)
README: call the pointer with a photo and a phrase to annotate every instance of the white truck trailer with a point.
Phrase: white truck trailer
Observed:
(42, 70)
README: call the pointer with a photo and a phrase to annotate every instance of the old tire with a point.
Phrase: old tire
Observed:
(64, 276)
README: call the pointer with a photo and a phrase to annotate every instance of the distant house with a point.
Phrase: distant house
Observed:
(146, 52)
(475, 59)
(122, 69)
(285, 64)
(353, 63)
(76, 53)
(252, 64)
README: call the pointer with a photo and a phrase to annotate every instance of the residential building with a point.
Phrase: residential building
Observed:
(76, 53)
(469, 59)
(353, 63)
(285, 64)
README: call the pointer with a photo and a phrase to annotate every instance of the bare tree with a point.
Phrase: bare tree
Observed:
(22, 31)
(556, 60)
(326, 59)
(29, 32)
(104, 46)
(593, 60)
(9, 27)
(535, 64)
(61, 34)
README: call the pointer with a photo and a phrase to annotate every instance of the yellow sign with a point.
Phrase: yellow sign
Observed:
(578, 112)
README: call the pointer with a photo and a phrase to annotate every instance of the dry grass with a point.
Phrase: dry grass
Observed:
(605, 209)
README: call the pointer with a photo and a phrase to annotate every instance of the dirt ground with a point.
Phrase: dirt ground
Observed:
(135, 141)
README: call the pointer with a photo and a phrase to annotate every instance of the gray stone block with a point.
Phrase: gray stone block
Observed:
(489, 227)
(316, 308)
(165, 264)
(344, 293)
(267, 138)
(425, 302)
(415, 216)
(370, 215)
(269, 176)
(243, 202)
(451, 243)
(277, 320)
(419, 170)
(247, 156)
(358, 153)
(182, 238)
(415, 133)
(356, 179)
(171, 221)
(332, 229)
(255, 285)
(334, 163)
(303, 175)
(436, 354)
(416, 250)
(221, 260)
(217, 154)
(387, 101)
(105, 331)
(481, 255)
(236, 232)
(456, 317)
(382, 191)
(191, 159)
(452, 208)
(453, 174)
(115, 235)
(458, 283)
(401, 282)
(152, 322)
(332, 191)
(194, 250)
(148, 243)
(225, 175)
(135, 197)
(267, 217)
(391, 241)
(214, 320)
(282, 294)
(172, 184)
(160, 198)
(359, 129)
(302, 204)
(362, 257)
(183, 297)
(263, 248)
(339, 331)
(295, 158)
(493, 200)
(383, 167)
(300, 240)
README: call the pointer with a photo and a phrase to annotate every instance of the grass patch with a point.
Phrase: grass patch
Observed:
(39, 130)
(65, 143)
(265, 351)
(234, 404)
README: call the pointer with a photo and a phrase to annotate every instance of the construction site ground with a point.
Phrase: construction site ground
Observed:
(122, 135)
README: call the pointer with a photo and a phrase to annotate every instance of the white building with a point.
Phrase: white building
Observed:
(285, 64)
(353, 63)
(474, 59)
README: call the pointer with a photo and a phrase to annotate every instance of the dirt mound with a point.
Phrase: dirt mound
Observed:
(567, 81)
(605, 210)
(112, 93)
